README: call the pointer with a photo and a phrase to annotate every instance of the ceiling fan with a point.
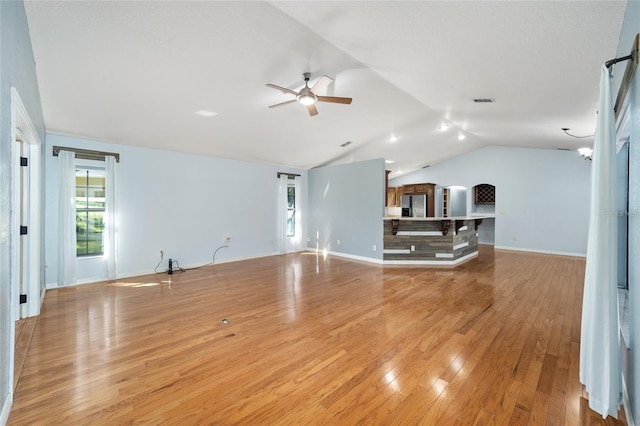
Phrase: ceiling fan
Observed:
(307, 96)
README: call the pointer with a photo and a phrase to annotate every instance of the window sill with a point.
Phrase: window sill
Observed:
(96, 256)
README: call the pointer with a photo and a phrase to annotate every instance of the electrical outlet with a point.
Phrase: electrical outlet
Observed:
(515, 238)
(308, 239)
(413, 248)
(338, 242)
(227, 238)
(374, 247)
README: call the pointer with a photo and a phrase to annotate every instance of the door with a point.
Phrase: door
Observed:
(23, 190)
(26, 217)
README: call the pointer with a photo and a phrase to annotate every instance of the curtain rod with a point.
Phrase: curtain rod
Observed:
(87, 154)
(633, 55)
(616, 60)
(288, 175)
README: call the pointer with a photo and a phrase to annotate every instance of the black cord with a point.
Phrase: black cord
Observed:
(566, 130)
(177, 267)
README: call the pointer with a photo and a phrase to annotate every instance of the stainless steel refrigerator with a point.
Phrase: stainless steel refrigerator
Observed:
(414, 206)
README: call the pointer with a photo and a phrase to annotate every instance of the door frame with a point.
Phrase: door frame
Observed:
(34, 288)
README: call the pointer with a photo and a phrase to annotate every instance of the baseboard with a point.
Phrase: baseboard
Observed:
(6, 408)
(530, 250)
(441, 263)
(347, 255)
(54, 285)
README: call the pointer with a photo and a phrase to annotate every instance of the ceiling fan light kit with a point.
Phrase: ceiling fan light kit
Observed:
(307, 96)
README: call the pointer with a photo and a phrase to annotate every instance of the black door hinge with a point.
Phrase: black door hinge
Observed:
(23, 230)
(23, 298)
(24, 161)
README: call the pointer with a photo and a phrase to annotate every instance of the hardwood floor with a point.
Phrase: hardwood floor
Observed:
(23, 334)
(309, 340)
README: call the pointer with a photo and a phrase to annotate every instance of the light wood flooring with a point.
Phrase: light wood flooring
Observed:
(309, 340)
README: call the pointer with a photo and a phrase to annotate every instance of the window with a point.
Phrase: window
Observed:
(291, 211)
(90, 203)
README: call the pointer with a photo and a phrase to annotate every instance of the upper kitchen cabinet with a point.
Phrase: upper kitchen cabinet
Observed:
(419, 189)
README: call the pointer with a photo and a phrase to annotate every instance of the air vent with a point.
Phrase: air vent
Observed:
(347, 143)
(483, 100)
(564, 149)
(424, 167)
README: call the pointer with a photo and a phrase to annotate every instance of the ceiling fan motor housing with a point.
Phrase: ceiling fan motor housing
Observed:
(306, 96)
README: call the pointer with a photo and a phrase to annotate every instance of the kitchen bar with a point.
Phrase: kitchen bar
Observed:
(444, 241)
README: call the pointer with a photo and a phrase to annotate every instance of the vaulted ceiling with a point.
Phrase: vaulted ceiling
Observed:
(135, 72)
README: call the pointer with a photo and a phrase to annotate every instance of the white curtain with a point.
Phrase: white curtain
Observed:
(282, 213)
(110, 216)
(298, 238)
(67, 218)
(600, 369)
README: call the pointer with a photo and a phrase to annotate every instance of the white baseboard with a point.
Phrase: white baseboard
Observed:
(6, 408)
(432, 262)
(530, 250)
(94, 280)
(346, 255)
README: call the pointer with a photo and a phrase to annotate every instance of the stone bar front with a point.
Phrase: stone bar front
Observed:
(445, 241)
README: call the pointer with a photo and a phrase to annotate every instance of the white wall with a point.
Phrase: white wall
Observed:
(182, 204)
(542, 196)
(346, 203)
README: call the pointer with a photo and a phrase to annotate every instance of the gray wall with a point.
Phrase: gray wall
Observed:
(17, 69)
(631, 359)
(346, 203)
(180, 203)
(542, 196)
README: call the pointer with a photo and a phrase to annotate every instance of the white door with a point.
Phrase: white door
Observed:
(26, 217)
(22, 188)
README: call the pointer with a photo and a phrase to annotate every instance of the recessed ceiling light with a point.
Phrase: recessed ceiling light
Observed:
(461, 137)
(393, 138)
(444, 127)
(205, 113)
(389, 161)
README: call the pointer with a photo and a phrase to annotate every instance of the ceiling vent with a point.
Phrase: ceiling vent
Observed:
(347, 143)
(484, 100)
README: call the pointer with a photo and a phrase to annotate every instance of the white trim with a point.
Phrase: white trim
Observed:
(20, 117)
(54, 285)
(346, 255)
(559, 253)
(396, 251)
(444, 255)
(420, 233)
(432, 262)
(463, 228)
(461, 245)
(6, 407)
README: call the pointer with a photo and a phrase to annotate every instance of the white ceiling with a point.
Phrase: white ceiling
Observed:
(135, 72)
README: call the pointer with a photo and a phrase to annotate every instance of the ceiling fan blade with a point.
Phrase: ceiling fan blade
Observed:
(321, 84)
(312, 110)
(334, 99)
(283, 103)
(282, 89)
